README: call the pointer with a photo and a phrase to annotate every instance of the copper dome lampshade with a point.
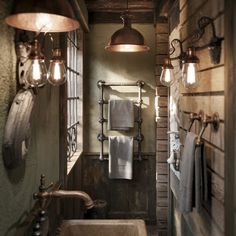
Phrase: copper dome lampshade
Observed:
(127, 39)
(43, 16)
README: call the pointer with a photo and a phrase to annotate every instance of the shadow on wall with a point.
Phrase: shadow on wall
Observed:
(16, 175)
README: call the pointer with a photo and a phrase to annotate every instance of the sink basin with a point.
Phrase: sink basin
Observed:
(103, 228)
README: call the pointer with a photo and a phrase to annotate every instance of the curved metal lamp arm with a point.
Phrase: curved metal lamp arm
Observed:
(173, 49)
(214, 45)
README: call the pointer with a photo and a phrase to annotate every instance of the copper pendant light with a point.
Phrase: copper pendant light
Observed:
(127, 39)
(43, 16)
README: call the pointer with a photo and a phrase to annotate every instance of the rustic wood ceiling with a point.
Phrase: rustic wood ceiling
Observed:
(109, 11)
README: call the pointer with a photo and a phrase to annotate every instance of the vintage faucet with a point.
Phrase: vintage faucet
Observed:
(43, 194)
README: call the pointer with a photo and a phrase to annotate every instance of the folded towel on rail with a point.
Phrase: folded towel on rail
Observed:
(120, 114)
(120, 157)
(193, 178)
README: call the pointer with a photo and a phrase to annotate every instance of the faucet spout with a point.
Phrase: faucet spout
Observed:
(43, 195)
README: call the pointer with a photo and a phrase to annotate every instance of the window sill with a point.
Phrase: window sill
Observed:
(73, 160)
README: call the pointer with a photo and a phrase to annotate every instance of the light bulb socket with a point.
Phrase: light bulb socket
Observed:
(56, 55)
(36, 52)
(190, 56)
(167, 64)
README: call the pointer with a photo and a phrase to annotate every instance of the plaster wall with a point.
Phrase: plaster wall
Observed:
(118, 68)
(18, 185)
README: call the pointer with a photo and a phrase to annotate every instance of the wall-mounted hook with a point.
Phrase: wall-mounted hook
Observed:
(195, 116)
(214, 120)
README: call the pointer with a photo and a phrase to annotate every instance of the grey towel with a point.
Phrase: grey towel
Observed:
(187, 173)
(120, 114)
(201, 191)
(120, 157)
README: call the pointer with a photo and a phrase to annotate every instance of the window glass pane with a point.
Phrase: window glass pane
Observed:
(74, 93)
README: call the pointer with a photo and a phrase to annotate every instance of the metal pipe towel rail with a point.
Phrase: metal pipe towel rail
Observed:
(101, 137)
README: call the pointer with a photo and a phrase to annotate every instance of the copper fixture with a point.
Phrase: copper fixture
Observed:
(43, 16)
(127, 39)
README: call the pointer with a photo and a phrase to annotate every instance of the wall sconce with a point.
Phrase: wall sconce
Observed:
(167, 74)
(43, 16)
(189, 60)
(32, 69)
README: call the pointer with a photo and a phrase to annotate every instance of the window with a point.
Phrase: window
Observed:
(74, 96)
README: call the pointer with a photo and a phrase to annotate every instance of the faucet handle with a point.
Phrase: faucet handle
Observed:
(42, 186)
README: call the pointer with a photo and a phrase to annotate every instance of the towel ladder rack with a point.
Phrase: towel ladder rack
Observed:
(214, 120)
(101, 137)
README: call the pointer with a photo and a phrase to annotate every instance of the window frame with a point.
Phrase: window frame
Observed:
(72, 42)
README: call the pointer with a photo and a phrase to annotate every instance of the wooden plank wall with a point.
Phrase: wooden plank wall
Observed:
(162, 34)
(230, 116)
(126, 199)
(208, 97)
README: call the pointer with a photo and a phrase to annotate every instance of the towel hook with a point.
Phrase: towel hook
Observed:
(195, 116)
(214, 120)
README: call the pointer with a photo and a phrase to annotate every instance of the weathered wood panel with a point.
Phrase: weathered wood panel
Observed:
(162, 29)
(162, 48)
(126, 199)
(161, 157)
(162, 91)
(106, 5)
(210, 8)
(208, 104)
(114, 17)
(215, 159)
(217, 186)
(161, 134)
(230, 114)
(209, 80)
(162, 145)
(189, 10)
(162, 168)
(208, 97)
(161, 122)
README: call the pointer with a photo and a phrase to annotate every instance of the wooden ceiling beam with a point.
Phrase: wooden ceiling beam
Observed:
(114, 17)
(109, 11)
(121, 5)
